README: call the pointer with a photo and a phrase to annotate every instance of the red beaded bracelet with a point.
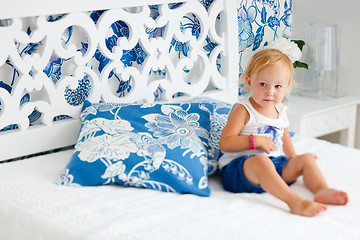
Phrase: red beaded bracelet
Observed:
(252, 142)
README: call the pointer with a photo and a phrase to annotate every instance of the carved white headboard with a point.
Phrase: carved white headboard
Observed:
(56, 54)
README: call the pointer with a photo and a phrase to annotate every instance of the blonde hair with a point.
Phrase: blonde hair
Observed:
(265, 58)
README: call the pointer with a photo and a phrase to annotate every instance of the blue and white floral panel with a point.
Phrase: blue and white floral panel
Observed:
(261, 22)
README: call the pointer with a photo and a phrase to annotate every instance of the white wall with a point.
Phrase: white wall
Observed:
(344, 13)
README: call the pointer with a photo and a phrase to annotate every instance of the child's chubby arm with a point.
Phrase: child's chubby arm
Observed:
(288, 146)
(230, 141)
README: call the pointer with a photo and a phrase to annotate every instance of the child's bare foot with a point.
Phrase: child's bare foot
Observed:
(331, 196)
(307, 208)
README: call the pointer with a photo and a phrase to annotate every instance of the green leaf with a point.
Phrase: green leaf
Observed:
(298, 64)
(300, 43)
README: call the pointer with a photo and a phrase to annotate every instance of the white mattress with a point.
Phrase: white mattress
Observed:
(33, 207)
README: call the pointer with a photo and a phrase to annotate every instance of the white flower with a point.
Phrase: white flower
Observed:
(177, 129)
(116, 147)
(289, 48)
(90, 127)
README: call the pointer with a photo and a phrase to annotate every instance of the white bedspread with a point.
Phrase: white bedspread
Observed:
(33, 207)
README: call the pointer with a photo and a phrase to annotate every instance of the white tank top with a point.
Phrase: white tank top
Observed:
(262, 126)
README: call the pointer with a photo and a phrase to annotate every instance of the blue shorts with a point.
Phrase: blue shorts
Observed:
(234, 180)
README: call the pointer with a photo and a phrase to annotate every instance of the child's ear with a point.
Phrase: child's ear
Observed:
(248, 81)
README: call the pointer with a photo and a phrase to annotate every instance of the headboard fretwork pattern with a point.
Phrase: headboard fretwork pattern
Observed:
(50, 64)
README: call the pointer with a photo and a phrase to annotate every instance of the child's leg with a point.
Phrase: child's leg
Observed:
(260, 170)
(306, 166)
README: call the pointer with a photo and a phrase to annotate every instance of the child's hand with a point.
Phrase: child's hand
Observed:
(264, 143)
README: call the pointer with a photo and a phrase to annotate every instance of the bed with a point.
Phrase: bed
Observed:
(75, 75)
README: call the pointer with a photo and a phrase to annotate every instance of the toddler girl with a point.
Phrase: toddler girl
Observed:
(258, 152)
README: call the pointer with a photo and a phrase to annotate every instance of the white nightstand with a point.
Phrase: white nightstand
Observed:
(315, 118)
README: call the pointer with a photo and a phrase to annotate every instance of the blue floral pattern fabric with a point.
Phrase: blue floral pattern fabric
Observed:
(260, 22)
(167, 147)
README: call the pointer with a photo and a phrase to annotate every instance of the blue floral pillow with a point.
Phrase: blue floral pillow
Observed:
(168, 147)
(218, 112)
